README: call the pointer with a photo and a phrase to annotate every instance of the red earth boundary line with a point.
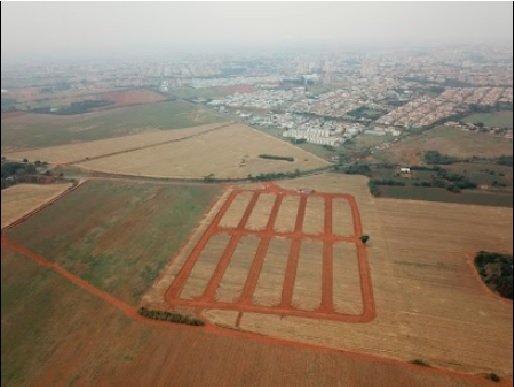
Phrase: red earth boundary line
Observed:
(185, 270)
(260, 254)
(48, 203)
(244, 303)
(19, 248)
(221, 267)
(130, 312)
(294, 255)
(327, 297)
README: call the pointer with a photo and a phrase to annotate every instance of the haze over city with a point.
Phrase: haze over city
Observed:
(257, 193)
(85, 30)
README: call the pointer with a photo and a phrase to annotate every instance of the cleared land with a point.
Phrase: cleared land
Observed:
(219, 152)
(55, 333)
(450, 141)
(117, 235)
(130, 97)
(493, 120)
(92, 149)
(230, 274)
(21, 199)
(40, 130)
(428, 302)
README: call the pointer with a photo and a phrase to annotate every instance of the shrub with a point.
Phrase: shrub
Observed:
(274, 157)
(170, 316)
(420, 362)
(493, 377)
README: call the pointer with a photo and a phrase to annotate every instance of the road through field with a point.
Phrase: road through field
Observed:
(244, 300)
(129, 311)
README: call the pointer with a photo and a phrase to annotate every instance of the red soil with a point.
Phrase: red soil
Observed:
(131, 97)
(245, 302)
(131, 312)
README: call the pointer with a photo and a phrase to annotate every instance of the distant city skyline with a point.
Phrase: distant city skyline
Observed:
(42, 31)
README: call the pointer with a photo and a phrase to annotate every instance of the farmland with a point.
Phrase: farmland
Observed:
(219, 153)
(29, 130)
(117, 235)
(21, 199)
(92, 149)
(75, 339)
(450, 141)
(494, 120)
(425, 294)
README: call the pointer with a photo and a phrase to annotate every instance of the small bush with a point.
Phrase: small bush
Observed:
(274, 157)
(493, 377)
(170, 316)
(420, 362)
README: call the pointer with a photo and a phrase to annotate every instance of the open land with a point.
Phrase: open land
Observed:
(92, 149)
(75, 339)
(36, 97)
(427, 301)
(21, 199)
(219, 152)
(117, 235)
(492, 120)
(26, 131)
(449, 141)
(130, 97)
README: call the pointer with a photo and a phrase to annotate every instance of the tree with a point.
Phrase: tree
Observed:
(364, 238)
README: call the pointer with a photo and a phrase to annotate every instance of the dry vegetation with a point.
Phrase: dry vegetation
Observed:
(75, 152)
(69, 337)
(218, 153)
(429, 304)
(21, 199)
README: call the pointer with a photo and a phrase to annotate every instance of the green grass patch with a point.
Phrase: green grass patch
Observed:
(493, 120)
(499, 199)
(47, 320)
(40, 130)
(117, 235)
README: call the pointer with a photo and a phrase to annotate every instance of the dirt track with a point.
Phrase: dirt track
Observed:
(245, 301)
(129, 311)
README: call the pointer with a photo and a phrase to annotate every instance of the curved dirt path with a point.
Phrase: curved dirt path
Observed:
(131, 312)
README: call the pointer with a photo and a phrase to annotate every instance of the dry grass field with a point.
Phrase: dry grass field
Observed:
(21, 199)
(57, 334)
(218, 153)
(75, 152)
(428, 302)
(31, 130)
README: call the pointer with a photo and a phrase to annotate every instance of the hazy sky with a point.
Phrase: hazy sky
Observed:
(36, 30)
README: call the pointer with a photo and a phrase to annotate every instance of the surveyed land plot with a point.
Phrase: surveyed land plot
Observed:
(262, 270)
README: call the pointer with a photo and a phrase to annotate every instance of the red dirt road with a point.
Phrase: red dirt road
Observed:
(131, 312)
(19, 248)
(285, 307)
